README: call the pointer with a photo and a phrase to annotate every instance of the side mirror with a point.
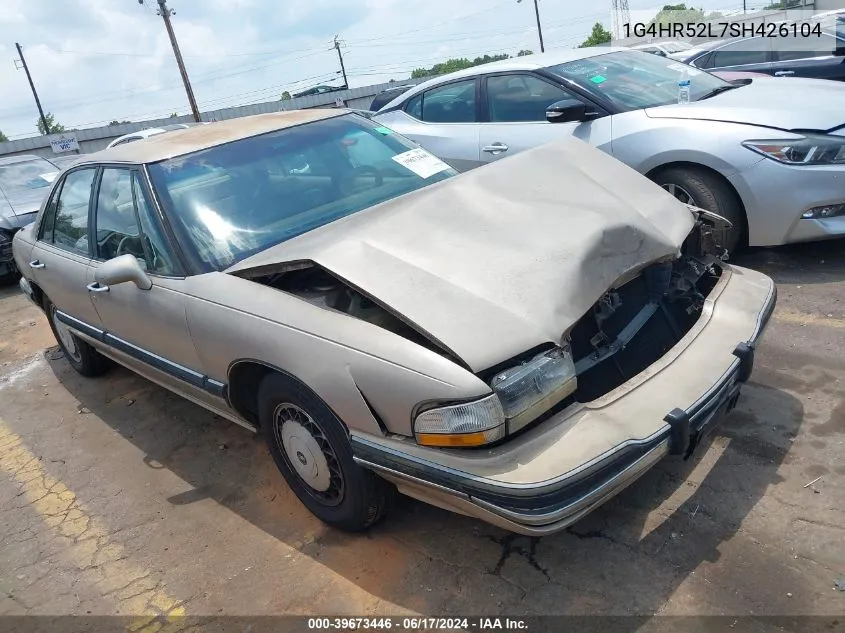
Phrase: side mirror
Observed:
(122, 269)
(567, 111)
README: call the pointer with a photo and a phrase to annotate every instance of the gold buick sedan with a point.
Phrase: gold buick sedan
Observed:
(517, 343)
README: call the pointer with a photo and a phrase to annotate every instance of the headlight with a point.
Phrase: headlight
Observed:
(816, 149)
(467, 424)
(534, 387)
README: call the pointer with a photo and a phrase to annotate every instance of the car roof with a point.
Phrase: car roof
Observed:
(526, 62)
(20, 158)
(199, 137)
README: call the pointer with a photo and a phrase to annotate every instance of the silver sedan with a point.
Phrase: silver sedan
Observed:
(766, 153)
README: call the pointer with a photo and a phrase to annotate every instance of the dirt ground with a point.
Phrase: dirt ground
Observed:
(117, 497)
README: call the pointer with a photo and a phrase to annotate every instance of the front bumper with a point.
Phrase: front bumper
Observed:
(776, 195)
(544, 480)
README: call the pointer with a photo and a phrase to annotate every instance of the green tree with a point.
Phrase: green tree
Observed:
(671, 13)
(116, 122)
(451, 65)
(599, 35)
(174, 115)
(3, 137)
(285, 96)
(525, 52)
(52, 126)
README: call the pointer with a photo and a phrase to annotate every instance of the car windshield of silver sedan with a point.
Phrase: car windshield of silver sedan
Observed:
(26, 175)
(231, 201)
(632, 80)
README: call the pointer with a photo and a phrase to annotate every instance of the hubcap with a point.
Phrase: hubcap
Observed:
(66, 338)
(679, 192)
(308, 453)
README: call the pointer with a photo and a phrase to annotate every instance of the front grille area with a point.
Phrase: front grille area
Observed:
(630, 328)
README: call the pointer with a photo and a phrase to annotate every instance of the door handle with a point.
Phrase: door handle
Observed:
(36, 264)
(495, 148)
(784, 73)
(96, 287)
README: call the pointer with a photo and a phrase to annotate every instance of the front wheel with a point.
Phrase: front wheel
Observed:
(699, 188)
(311, 449)
(81, 356)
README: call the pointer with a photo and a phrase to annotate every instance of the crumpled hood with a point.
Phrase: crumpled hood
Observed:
(786, 103)
(505, 257)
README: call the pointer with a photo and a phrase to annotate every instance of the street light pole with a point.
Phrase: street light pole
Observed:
(539, 28)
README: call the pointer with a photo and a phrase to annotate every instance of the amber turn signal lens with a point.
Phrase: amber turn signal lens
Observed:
(446, 439)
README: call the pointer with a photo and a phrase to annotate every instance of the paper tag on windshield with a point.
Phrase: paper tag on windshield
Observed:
(421, 162)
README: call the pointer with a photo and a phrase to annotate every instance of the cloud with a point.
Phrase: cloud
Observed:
(98, 60)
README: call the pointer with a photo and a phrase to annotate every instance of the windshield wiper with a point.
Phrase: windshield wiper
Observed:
(716, 91)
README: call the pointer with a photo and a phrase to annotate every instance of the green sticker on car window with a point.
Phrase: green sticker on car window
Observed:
(383, 130)
(598, 79)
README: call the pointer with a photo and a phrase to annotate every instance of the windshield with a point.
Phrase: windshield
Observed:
(676, 47)
(231, 201)
(26, 175)
(632, 80)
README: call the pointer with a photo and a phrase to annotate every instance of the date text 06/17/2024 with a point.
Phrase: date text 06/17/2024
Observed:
(417, 623)
(721, 29)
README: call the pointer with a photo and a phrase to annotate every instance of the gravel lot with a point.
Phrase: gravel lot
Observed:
(117, 497)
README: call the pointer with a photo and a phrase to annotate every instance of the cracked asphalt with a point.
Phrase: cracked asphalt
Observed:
(117, 497)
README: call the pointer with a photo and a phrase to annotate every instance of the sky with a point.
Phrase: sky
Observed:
(94, 61)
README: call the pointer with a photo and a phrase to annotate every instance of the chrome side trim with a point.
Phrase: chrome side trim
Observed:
(165, 365)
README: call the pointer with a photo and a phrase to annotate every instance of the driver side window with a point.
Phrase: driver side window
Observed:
(124, 226)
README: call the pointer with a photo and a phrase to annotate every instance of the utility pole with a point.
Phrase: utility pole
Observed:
(34, 93)
(165, 13)
(539, 28)
(337, 43)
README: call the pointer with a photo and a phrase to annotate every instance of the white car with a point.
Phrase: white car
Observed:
(766, 153)
(663, 49)
(146, 133)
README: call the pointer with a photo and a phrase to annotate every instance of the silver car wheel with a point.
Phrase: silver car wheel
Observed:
(308, 453)
(66, 338)
(679, 192)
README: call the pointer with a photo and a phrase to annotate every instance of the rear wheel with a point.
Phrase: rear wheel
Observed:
(81, 356)
(311, 449)
(702, 189)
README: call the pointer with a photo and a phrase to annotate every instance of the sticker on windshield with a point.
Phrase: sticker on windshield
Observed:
(421, 162)
(384, 130)
(598, 79)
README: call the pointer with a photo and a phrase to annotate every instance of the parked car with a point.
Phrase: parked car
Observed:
(818, 57)
(318, 90)
(65, 160)
(386, 96)
(24, 180)
(731, 150)
(148, 132)
(517, 343)
(663, 49)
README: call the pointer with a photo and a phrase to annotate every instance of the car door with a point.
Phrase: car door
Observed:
(808, 57)
(752, 54)
(61, 256)
(146, 329)
(514, 116)
(444, 120)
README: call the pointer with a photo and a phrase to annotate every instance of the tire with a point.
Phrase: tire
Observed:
(81, 356)
(702, 189)
(299, 426)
